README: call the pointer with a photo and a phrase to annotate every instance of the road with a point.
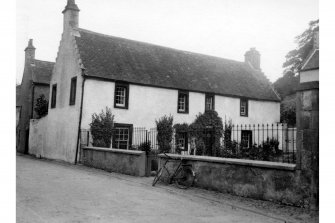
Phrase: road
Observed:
(49, 191)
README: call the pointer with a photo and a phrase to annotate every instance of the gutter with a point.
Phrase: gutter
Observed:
(80, 113)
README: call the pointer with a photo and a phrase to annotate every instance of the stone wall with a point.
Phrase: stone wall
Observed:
(278, 182)
(115, 160)
(308, 136)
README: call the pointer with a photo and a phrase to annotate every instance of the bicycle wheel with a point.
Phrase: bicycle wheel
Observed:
(158, 175)
(185, 177)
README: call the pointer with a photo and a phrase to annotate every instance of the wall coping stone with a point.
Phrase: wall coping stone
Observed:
(243, 162)
(131, 152)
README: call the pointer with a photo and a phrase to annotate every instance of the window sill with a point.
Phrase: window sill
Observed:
(120, 107)
(182, 112)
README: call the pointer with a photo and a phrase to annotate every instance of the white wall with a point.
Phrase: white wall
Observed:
(309, 75)
(37, 130)
(259, 112)
(146, 104)
(63, 120)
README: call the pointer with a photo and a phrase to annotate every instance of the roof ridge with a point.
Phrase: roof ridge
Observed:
(156, 45)
(44, 61)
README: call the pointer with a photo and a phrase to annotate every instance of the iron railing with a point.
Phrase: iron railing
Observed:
(250, 141)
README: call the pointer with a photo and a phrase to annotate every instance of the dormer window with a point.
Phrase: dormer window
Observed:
(121, 95)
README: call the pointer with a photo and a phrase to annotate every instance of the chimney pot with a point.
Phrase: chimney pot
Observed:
(30, 52)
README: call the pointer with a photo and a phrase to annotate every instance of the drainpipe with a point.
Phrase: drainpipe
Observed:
(80, 113)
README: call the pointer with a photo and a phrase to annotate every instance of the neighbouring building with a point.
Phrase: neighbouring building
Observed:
(142, 82)
(35, 82)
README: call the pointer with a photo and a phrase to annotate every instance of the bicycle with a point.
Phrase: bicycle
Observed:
(183, 175)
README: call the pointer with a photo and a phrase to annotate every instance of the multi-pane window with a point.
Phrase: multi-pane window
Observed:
(209, 102)
(244, 107)
(246, 138)
(53, 95)
(121, 95)
(73, 90)
(121, 140)
(182, 102)
(122, 136)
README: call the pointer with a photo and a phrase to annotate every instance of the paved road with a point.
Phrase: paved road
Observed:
(54, 192)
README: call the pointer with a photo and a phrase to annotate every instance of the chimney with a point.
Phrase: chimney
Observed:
(253, 57)
(30, 52)
(71, 15)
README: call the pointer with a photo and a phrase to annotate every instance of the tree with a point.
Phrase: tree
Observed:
(287, 84)
(295, 57)
(102, 128)
(41, 106)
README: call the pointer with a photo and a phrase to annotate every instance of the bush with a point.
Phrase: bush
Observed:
(145, 146)
(102, 128)
(208, 124)
(42, 105)
(164, 133)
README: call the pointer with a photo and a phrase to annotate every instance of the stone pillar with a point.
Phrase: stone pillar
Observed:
(308, 137)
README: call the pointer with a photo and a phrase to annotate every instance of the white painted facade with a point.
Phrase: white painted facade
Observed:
(309, 76)
(147, 104)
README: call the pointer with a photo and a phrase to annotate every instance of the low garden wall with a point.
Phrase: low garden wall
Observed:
(278, 182)
(37, 130)
(115, 160)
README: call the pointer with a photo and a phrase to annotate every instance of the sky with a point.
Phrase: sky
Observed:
(223, 28)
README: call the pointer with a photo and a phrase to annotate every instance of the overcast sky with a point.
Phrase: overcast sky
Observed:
(223, 28)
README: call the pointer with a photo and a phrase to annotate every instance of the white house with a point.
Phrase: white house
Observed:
(142, 82)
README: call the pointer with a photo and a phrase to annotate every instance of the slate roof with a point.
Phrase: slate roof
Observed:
(312, 62)
(143, 63)
(41, 71)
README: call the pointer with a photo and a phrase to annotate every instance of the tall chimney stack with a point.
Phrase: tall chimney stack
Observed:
(71, 15)
(30, 52)
(253, 57)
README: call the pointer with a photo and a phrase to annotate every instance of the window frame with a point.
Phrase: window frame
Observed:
(130, 132)
(126, 86)
(246, 112)
(249, 134)
(186, 94)
(53, 96)
(73, 89)
(208, 95)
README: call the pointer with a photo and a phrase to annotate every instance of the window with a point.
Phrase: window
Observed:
(73, 90)
(246, 138)
(122, 136)
(209, 102)
(121, 95)
(244, 107)
(53, 96)
(182, 141)
(182, 102)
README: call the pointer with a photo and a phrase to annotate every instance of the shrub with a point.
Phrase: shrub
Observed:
(145, 146)
(207, 127)
(41, 106)
(164, 133)
(102, 128)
